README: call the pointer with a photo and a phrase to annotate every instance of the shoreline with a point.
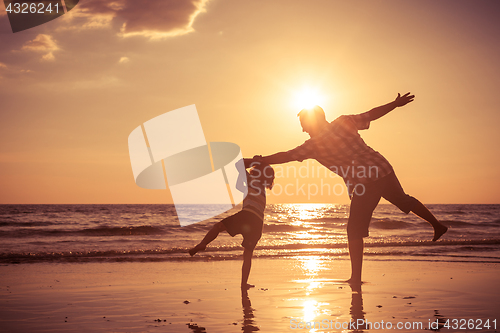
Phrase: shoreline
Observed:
(184, 296)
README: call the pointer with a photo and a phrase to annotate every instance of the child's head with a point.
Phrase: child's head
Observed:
(264, 173)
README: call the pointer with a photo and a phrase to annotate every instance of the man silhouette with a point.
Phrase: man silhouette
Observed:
(368, 175)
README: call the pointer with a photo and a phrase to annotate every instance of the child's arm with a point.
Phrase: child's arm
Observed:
(380, 111)
(245, 269)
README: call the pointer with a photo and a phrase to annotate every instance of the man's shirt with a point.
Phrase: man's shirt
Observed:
(340, 148)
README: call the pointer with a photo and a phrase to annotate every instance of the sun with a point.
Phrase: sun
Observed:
(307, 97)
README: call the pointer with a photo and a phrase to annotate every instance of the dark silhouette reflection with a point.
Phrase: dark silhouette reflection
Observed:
(248, 316)
(196, 328)
(356, 312)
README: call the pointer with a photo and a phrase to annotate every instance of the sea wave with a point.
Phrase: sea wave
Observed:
(467, 249)
(81, 233)
(391, 224)
(25, 223)
(97, 231)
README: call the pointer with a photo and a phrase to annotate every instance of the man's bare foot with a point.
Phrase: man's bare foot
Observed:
(439, 231)
(247, 286)
(353, 281)
(197, 248)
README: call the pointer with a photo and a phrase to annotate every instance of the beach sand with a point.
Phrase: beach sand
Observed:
(204, 296)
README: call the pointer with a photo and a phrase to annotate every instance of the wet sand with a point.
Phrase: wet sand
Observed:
(290, 294)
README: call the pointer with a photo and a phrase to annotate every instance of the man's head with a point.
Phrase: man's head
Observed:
(312, 120)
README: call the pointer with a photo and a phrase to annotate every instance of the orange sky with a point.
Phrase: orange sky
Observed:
(73, 89)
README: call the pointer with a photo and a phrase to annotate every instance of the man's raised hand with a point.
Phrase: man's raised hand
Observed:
(403, 100)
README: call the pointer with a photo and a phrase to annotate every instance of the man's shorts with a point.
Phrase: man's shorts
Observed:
(363, 205)
(248, 225)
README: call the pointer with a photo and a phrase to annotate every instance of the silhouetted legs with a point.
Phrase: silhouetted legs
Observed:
(391, 190)
(361, 210)
(209, 237)
(245, 269)
(247, 254)
(420, 210)
(360, 214)
(356, 254)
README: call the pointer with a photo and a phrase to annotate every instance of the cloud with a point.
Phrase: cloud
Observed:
(151, 19)
(98, 83)
(12, 71)
(42, 44)
(48, 57)
(2, 66)
(87, 18)
(123, 60)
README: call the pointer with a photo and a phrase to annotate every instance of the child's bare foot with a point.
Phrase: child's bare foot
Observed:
(197, 248)
(247, 286)
(439, 231)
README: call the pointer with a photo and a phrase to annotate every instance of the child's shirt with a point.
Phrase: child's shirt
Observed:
(255, 201)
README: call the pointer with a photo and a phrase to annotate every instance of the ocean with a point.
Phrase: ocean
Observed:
(151, 233)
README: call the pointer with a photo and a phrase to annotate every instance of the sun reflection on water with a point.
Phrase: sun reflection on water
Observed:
(310, 310)
(310, 211)
(311, 265)
(313, 309)
(301, 212)
(308, 227)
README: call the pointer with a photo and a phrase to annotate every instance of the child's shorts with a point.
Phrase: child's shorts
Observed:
(248, 225)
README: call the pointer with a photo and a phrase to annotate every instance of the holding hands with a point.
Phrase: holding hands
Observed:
(249, 162)
(257, 158)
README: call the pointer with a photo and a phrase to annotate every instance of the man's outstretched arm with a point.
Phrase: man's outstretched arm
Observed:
(278, 158)
(382, 110)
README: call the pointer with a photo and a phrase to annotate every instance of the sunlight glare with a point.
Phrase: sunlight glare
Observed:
(311, 265)
(309, 211)
(313, 309)
(307, 98)
(310, 310)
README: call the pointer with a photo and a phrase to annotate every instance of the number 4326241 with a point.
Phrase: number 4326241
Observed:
(471, 324)
(32, 8)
